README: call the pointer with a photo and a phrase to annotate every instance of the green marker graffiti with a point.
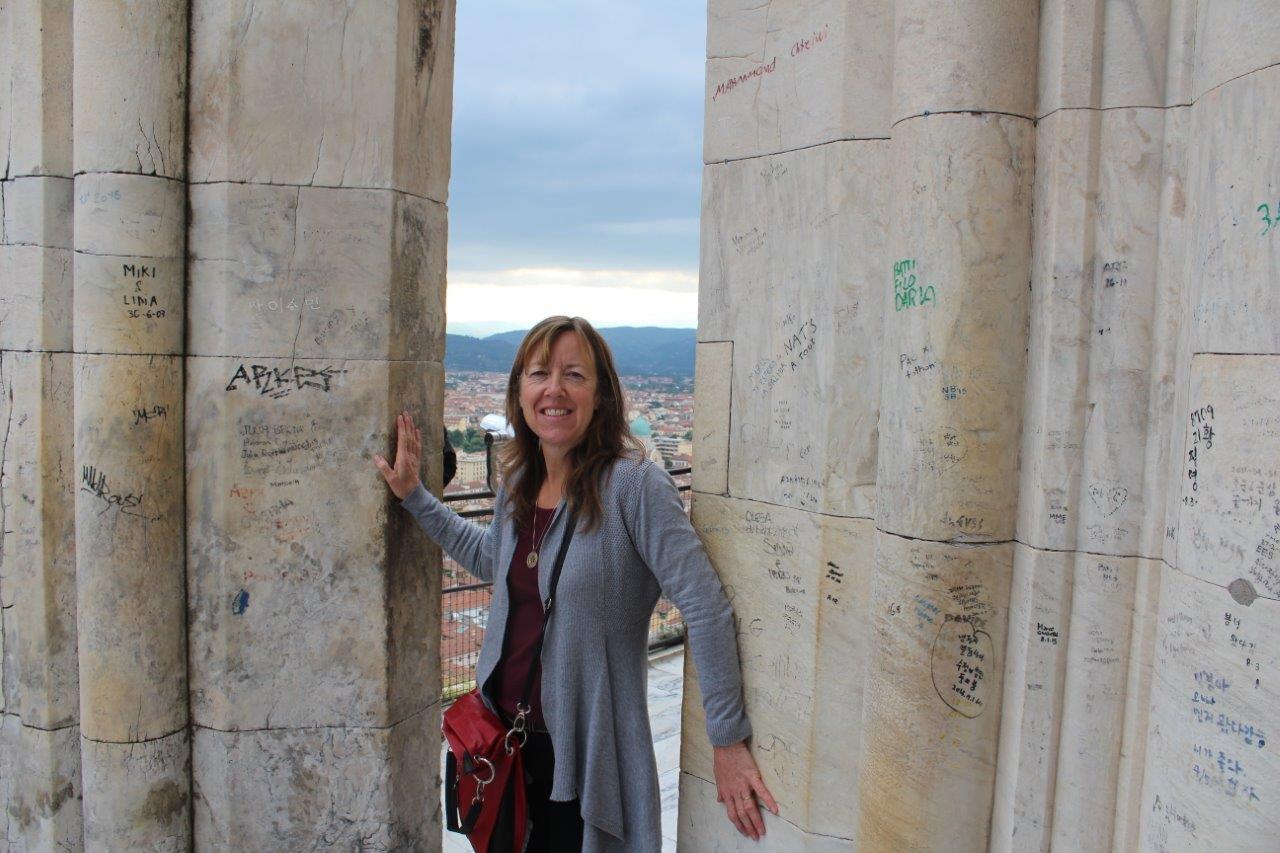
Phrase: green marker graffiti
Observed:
(906, 294)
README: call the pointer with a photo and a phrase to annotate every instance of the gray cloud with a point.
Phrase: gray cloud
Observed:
(577, 134)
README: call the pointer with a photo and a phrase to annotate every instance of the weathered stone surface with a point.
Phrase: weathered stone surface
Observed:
(796, 580)
(1112, 502)
(37, 212)
(1062, 277)
(274, 550)
(786, 75)
(1233, 38)
(790, 263)
(129, 215)
(339, 788)
(39, 85)
(1104, 55)
(1131, 771)
(956, 333)
(40, 787)
(1235, 260)
(6, 92)
(325, 94)
(137, 794)
(703, 826)
(932, 694)
(1212, 766)
(129, 271)
(1030, 717)
(37, 559)
(1230, 527)
(129, 89)
(964, 56)
(1144, 420)
(1098, 645)
(316, 272)
(35, 265)
(711, 416)
(129, 547)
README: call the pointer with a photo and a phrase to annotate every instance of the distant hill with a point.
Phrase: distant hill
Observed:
(638, 351)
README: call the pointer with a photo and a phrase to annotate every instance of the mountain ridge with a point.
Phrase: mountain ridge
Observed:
(637, 351)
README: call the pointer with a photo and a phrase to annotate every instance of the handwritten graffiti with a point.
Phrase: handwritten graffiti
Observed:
(94, 482)
(733, 82)
(276, 382)
(1202, 435)
(144, 415)
(807, 44)
(1270, 222)
(906, 292)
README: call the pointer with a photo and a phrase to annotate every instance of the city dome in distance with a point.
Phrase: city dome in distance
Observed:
(640, 427)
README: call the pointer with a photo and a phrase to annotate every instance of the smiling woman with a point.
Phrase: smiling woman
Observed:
(573, 476)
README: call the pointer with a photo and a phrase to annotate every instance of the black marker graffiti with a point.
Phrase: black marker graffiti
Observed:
(276, 382)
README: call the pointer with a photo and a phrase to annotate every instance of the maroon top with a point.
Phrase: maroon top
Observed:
(524, 624)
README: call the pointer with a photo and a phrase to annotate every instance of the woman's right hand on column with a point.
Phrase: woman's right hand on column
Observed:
(402, 476)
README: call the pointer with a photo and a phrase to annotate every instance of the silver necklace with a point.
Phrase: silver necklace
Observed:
(532, 560)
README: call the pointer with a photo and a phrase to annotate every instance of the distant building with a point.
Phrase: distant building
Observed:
(669, 447)
(471, 467)
(640, 429)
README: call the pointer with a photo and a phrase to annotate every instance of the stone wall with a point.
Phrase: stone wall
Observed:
(987, 440)
(221, 275)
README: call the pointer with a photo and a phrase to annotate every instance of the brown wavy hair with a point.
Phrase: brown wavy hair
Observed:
(608, 436)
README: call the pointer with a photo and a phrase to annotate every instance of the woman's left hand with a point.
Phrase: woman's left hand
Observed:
(739, 786)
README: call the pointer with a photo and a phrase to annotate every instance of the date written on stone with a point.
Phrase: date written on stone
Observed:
(277, 382)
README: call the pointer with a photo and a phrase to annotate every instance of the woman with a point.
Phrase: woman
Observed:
(595, 784)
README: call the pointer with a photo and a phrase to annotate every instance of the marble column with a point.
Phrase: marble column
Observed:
(795, 194)
(1064, 621)
(39, 729)
(1212, 767)
(130, 215)
(960, 240)
(318, 176)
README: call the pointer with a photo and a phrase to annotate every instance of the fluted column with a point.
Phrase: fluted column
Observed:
(1212, 766)
(130, 217)
(788, 370)
(1095, 449)
(319, 169)
(959, 237)
(39, 730)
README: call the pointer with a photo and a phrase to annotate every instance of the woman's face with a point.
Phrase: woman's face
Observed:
(558, 398)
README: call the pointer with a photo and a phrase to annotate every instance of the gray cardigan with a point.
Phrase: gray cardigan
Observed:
(594, 662)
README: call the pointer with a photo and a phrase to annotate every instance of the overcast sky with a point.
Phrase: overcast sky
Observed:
(577, 150)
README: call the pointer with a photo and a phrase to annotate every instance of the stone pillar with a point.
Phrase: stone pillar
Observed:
(788, 369)
(1212, 772)
(130, 215)
(319, 169)
(1094, 444)
(39, 730)
(947, 479)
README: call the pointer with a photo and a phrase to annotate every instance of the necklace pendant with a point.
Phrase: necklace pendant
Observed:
(532, 560)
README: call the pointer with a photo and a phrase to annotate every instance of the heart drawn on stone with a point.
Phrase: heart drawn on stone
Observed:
(1108, 501)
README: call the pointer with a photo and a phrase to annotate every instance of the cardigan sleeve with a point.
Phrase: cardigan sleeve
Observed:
(470, 544)
(661, 533)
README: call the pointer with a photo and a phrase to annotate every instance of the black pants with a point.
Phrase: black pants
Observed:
(557, 826)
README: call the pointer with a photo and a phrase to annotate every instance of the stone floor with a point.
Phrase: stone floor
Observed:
(666, 678)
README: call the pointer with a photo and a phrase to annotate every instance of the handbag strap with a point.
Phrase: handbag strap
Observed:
(523, 702)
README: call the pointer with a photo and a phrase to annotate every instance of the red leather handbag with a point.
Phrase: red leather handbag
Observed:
(484, 768)
(492, 770)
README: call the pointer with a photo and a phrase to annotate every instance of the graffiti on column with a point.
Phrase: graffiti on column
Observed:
(907, 291)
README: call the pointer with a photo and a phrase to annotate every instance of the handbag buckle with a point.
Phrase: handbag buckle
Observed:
(480, 783)
(517, 729)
